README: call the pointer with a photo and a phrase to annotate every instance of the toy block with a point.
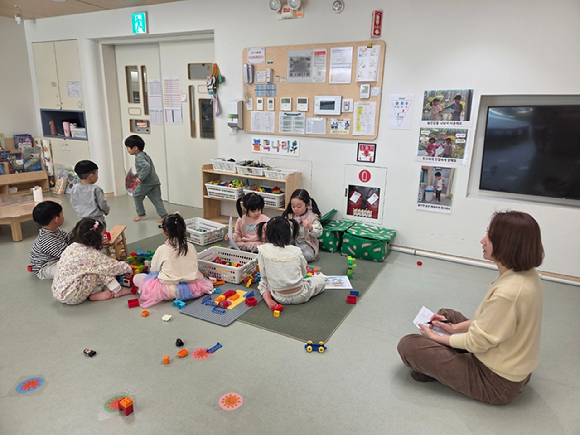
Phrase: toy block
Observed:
(219, 283)
(144, 313)
(126, 405)
(213, 349)
(179, 342)
(220, 298)
(133, 303)
(224, 304)
(166, 359)
(179, 304)
(419, 263)
(251, 301)
(276, 313)
(217, 291)
(166, 317)
(134, 290)
(354, 293)
(234, 297)
(249, 294)
(29, 268)
(351, 299)
(278, 307)
(229, 293)
(217, 310)
(182, 353)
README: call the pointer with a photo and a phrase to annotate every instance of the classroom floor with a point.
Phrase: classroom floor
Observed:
(359, 386)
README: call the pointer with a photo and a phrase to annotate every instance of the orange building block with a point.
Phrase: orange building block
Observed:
(182, 353)
(144, 313)
(219, 299)
(126, 405)
(234, 297)
(276, 313)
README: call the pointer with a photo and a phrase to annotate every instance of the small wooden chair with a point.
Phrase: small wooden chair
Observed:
(117, 246)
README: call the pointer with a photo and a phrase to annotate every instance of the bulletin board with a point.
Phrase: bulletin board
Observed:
(324, 75)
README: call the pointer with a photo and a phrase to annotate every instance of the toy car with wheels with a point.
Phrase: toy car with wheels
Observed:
(320, 347)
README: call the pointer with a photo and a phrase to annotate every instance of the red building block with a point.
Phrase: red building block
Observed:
(133, 303)
(351, 299)
(278, 307)
(229, 293)
(126, 405)
(251, 301)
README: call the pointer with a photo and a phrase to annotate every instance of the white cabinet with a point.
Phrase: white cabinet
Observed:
(67, 152)
(58, 75)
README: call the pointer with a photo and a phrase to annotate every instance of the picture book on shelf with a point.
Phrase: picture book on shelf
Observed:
(23, 141)
(2, 141)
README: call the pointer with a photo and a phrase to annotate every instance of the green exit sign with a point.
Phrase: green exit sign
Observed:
(139, 22)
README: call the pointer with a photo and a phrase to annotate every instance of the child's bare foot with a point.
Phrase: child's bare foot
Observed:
(125, 291)
(138, 218)
(161, 220)
(101, 296)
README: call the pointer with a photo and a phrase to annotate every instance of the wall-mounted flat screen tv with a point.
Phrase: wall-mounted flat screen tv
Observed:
(532, 150)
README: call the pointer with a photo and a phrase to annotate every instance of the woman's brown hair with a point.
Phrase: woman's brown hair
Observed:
(516, 240)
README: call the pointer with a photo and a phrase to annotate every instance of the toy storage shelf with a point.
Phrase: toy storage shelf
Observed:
(23, 181)
(212, 206)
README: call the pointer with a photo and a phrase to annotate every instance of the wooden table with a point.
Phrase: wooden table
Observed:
(15, 210)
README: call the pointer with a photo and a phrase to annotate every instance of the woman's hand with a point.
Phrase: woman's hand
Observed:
(427, 332)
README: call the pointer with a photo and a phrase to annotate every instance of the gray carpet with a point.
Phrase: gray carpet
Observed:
(321, 316)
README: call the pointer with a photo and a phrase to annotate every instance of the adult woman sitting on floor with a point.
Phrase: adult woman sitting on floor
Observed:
(490, 357)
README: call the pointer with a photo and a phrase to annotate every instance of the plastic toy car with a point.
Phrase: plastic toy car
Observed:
(320, 347)
(89, 352)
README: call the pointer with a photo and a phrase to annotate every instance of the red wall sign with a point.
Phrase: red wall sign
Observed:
(377, 24)
(364, 176)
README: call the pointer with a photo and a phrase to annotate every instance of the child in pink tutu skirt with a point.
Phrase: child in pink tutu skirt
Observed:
(174, 273)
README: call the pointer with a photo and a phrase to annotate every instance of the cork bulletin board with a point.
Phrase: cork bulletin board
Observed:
(330, 76)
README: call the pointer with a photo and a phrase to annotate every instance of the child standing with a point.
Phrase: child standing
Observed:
(86, 198)
(438, 186)
(174, 273)
(283, 267)
(435, 114)
(456, 108)
(83, 270)
(303, 209)
(250, 208)
(51, 241)
(148, 184)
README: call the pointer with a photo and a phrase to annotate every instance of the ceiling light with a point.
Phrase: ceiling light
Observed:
(294, 4)
(338, 6)
(274, 5)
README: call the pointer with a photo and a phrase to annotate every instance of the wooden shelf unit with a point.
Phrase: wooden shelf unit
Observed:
(212, 208)
(23, 181)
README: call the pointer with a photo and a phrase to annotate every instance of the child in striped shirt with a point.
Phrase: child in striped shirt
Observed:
(51, 240)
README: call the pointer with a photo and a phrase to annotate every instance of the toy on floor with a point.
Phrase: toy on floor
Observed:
(165, 359)
(182, 353)
(311, 271)
(320, 347)
(117, 244)
(179, 304)
(419, 263)
(144, 313)
(179, 342)
(230, 401)
(89, 352)
(351, 265)
(166, 317)
(276, 313)
(133, 303)
(213, 349)
(126, 405)
(252, 278)
(351, 299)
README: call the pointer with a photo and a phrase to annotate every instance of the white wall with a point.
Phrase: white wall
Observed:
(17, 113)
(495, 47)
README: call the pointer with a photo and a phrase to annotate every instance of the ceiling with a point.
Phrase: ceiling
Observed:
(33, 9)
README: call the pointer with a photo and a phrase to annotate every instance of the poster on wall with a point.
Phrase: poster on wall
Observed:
(400, 112)
(442, 145)
(365, 188)
(367, 68)
(435, 189)
(301, 66)
(282, 147)
(447, 107)
(340, 65)
(340, 125)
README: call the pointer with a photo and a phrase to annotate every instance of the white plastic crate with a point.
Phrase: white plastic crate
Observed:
(250, 170)
(223, 166)
(203, 232)
(222, 192)
(278, 174)
(270, 199)
(223, 272)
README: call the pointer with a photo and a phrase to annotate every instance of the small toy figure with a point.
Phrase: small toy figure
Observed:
(89, 352)
(179, 342)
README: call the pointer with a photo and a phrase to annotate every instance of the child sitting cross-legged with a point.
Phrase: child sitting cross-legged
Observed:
(83, 271)
(174, 271)
(250, 207)
(283, 266)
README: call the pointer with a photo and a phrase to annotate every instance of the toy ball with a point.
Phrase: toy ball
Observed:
(419, 263)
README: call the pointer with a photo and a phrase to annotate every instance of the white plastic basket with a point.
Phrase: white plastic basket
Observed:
(275, 200)
(222, 192)
(278, 174)
(223, 272)
(250, 170)
(203, 232)
(223, 165)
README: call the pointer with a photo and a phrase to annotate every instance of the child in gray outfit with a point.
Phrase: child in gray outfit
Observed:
(148, 184)
(86, 198)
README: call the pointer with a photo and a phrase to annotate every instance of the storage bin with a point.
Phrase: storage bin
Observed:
(250, 170)
(222, 192)
(223, 165)
(275, 200)
(223, 272)
(332, 234)
(203, 232)
(278, 174)
(367, 242)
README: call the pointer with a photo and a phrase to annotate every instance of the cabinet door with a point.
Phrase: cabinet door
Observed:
(46, 75)
(68, 152)
(69, 74)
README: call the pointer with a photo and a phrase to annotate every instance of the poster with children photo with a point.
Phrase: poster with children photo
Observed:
(448, 107)
(435, 189)
(442, 145)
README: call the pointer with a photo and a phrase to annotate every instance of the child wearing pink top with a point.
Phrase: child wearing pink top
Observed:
(250, 208)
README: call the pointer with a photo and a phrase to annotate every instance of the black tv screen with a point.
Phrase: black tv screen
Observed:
(532, 150)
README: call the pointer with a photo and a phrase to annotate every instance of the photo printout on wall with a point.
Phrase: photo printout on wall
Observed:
(435, 189)
(447, 107)
(442, 145)
(283, 147)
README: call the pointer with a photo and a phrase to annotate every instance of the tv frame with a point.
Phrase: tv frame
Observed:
(486, 101)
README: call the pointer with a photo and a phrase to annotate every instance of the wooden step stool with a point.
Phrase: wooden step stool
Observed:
(117, 246)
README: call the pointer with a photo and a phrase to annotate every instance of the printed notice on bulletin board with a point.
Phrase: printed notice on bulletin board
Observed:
(74, 89)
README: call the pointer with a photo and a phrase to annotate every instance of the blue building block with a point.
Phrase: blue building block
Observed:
(217, 310)
(213, 349)
(178, 303)
(354, 293)
(249, 294)
(217, 291)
